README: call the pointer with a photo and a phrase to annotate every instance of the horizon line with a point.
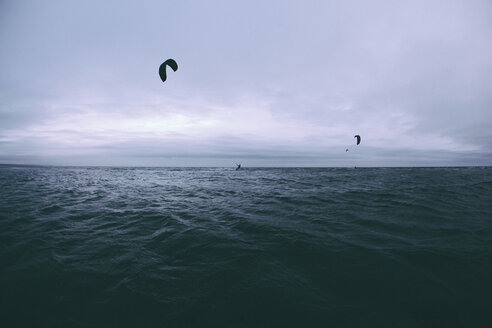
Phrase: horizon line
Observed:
(246, 167)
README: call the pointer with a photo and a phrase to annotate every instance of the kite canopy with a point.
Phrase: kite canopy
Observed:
(162, 69)
(358, 138)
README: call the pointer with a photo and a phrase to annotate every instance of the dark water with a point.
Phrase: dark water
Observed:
(147, 247)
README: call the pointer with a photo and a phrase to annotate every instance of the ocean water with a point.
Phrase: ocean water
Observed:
(259, 247)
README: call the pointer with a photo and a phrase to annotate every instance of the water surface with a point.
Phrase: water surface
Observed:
(195, 247)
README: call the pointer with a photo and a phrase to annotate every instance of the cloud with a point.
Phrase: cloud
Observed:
(285, 80)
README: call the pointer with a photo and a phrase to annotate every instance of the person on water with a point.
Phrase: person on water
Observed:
(238, 167)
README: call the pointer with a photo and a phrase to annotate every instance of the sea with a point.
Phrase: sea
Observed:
(257, 247)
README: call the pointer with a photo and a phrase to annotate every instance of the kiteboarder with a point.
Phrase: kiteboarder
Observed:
(238, 167)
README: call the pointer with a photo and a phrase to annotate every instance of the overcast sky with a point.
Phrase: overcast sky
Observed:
(264, 83)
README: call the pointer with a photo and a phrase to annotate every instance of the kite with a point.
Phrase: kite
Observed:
(162, 69)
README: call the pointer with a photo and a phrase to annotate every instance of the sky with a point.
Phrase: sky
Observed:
(262, 83)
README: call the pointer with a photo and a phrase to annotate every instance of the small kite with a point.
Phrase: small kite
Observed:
(162, 69)
(358, 138)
